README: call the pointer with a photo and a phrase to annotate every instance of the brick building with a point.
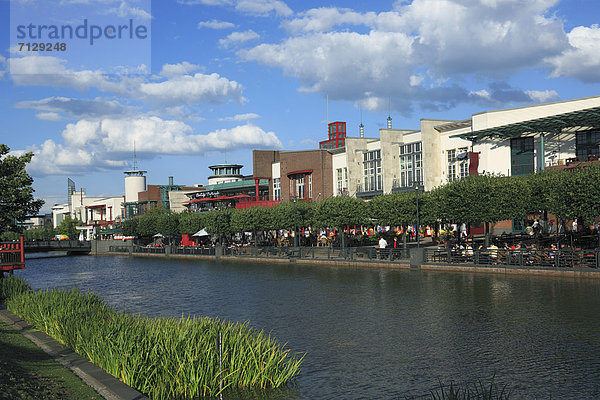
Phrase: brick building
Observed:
(305, 174)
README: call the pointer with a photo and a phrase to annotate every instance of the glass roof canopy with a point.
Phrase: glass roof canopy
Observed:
(570, 122)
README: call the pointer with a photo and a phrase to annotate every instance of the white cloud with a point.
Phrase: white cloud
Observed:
(543, 96)
(420, 51)
(582, 59)
(484, 94)
(55, 159)
(376, 62)
(155, 135)
(263, 7)
(96, 145)
(214, 24)
(48, 116)
(51, 71)
(187, 89)
(126, 11)
(206, 2)
(325, 18)
(2, 66)
(177, 88)
(236, 38)
(241, 117)
(80, 108)
(182, 68)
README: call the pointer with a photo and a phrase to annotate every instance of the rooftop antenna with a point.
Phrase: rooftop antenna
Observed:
(134, 157)
(361, 127)
(389, 119)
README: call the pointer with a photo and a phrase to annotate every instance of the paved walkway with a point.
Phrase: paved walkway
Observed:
(107, 385)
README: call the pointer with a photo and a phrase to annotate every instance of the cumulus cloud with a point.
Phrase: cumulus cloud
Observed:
(235, 38)
(182, 68)
(542, 96)
(155, 135)
(325, 18)
(187, 89)
(126, 11)
(52, 158)
(52, 71)
(80, 108)
(263, 7)
(214, 24)
(419, 51)
(96, 145)
(2, 67)
(176, 85)
(582, 59)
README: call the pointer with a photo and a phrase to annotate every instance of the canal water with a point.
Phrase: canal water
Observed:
(372, 333)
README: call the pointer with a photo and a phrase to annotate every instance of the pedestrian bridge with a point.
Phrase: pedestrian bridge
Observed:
(70, 246)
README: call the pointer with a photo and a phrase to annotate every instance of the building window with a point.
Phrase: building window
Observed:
(310, 186)
(300, 187)
(276, 188)
(372, 171)
(342, 181)
(458, 164)
(411, 165)
(586, 144)
(522, 156)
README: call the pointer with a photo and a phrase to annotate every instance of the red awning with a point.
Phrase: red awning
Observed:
(302, 172)
(192, 201)
(241, 196)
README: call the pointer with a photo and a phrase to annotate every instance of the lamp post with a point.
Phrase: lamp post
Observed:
(417, 230)
(294, 199)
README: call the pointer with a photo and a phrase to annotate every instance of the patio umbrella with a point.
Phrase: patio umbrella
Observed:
(202, 232)
(158, 235)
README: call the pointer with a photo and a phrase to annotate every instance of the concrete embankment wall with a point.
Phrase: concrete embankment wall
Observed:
(103, 248)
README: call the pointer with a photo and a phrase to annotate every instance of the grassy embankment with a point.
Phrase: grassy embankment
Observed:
(27, 371)
(161, 357)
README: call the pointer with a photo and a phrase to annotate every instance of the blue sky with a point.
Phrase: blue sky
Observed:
(218, 78)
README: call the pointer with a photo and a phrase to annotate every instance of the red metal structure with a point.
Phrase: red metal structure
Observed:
(12, 256)
(337, 136)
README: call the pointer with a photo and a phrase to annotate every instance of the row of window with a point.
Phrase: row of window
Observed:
(457, 164)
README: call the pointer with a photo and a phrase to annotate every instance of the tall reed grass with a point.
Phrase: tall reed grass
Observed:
(11, 286)
(164, 358)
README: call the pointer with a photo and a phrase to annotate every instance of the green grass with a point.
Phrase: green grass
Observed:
(11, 286)
(477, 391)
(29, 373)
(163, 358)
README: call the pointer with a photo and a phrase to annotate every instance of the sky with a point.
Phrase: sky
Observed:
(192, 83)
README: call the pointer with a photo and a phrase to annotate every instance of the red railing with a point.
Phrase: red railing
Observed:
(12, 255)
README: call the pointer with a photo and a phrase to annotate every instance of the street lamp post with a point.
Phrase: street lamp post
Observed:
(417, 230)
(294, 198)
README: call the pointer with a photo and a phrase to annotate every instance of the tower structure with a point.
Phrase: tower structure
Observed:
(337, 136)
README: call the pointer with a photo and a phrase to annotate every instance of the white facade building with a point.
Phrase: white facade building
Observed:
(503, 142)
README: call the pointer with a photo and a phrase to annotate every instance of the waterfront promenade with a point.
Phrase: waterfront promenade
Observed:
(565, 262)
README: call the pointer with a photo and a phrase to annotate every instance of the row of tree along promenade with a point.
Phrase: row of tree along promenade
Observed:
(474, 200)
(484, 200)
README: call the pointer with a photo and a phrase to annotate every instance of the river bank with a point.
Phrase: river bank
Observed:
(411, 258)
(369, 332)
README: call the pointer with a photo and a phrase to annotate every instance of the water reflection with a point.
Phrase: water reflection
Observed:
(372, 333)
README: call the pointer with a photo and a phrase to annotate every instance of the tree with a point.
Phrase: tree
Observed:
(16, 193)
(68, 227)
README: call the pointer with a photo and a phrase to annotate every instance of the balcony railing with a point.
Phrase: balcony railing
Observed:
(365, 191)
(398, 186)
